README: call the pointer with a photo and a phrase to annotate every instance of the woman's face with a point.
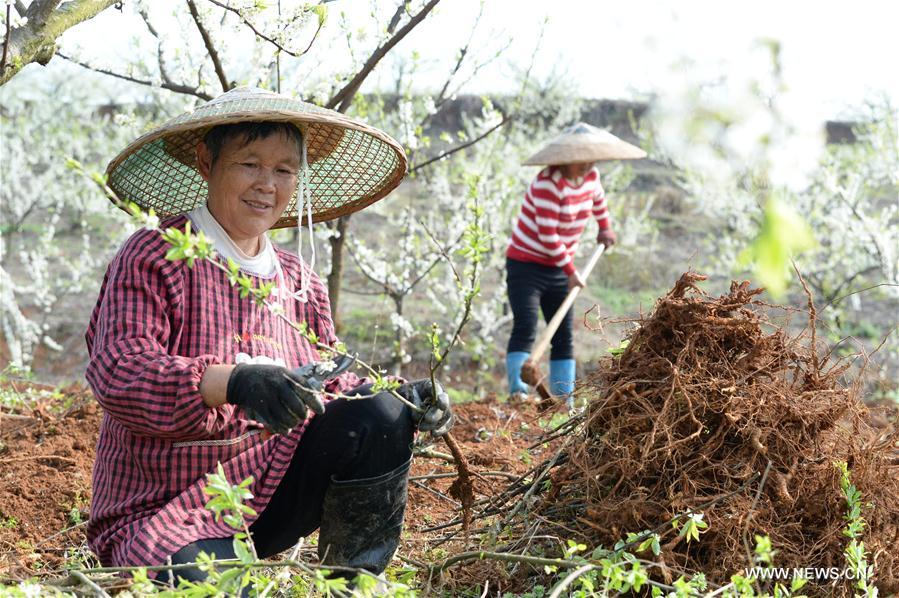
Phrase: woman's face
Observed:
(250, 185)
(576, 170)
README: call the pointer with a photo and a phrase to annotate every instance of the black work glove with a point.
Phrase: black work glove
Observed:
(273, 395)
(437, 417)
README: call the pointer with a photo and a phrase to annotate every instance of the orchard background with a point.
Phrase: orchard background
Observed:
(750, 174)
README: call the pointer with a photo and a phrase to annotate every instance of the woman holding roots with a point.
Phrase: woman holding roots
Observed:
(190, 374)
(540, 268)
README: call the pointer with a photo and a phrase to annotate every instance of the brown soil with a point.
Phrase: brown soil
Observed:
(494, 437)
(45, 482)
(46, 460)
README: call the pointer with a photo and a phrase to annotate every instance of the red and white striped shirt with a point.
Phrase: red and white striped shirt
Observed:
(553, 216)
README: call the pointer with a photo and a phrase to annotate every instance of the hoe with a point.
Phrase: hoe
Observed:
(530, 370)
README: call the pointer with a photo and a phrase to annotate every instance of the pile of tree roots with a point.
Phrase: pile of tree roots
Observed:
(712, 408)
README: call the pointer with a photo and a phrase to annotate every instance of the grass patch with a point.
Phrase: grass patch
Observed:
(620, 302)
(461, 395)
(9, 523)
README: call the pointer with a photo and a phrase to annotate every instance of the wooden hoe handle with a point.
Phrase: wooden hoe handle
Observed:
(543, 343)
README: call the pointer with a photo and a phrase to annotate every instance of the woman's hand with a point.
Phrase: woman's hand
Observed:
(272, 395)
(606, 237)
(575, 280)
(438, 414)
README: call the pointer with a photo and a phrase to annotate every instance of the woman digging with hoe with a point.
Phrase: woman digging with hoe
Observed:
(190, 374)
(540, 271)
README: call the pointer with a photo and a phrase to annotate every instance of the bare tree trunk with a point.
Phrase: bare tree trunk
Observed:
(335, 276)
(341, 101)
(399, 348)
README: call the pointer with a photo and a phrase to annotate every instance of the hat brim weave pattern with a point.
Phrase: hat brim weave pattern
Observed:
(584, 143)
(350, 164)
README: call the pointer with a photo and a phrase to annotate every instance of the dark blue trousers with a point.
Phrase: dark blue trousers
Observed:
(534, 287)
(353, 439)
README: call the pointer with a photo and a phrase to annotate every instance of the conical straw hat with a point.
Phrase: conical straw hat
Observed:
(351, 165)
(584, 143)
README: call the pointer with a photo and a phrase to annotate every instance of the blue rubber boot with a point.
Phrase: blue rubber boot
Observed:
(561, 379)
(514, 361)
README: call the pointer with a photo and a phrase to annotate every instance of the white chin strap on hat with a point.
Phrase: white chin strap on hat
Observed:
(304, 205)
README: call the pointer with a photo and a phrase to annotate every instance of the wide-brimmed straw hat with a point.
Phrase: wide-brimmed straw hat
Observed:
(584, 143)
(350, 164)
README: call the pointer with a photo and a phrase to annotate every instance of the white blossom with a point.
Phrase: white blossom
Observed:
(151, 222)
(401, 323)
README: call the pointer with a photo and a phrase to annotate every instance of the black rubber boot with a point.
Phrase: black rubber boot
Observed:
(362, 520)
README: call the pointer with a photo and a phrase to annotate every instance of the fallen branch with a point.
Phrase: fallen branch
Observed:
(533, 488)
(427, 452)
(561, 430)
(303, 566)
(95, 589)
(15, 416)
(61, 533)
(570, 579)
(504, 557)
(436, 493)
(439, 476)
(38, 457)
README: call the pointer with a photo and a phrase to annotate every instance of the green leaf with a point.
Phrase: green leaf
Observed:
(229, 576)
(365, 584)
(652, 542)
(782, 235)
(798, 583)
(242, 551)
(617, 351)
(691, 527)
(74, 164)
(175, 254)
(382, 383)
(763, 551)
(321, 11)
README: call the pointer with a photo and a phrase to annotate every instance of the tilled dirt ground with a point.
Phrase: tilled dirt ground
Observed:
(45, 481)
(46, 458)
(46, 455)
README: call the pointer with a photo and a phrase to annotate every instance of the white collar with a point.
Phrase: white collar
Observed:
(264, 264)
(556, 176)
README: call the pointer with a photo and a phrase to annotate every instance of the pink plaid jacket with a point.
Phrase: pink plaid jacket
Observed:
(156, 327)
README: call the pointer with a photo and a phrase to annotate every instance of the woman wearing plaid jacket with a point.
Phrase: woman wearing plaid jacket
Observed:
(192, 375)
